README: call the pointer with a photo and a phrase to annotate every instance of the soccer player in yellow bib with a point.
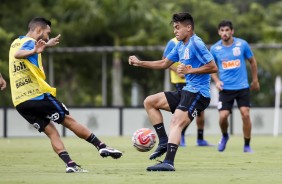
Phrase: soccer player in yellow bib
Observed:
(180, 82)
(36, 101)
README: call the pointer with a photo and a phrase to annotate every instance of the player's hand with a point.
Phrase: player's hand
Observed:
(2, 83)
(53, 41)
(39, 46)
(219, 85)
(182, 76)
(133, 60)
(255, 86)
(182, 69)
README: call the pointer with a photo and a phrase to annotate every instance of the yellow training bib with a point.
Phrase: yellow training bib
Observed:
(174, 78)
(26, 79)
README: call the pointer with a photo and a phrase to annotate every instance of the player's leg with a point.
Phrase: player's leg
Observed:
(153, 104)
(189, 106)
(59, 148)
(226, 100)
(35, 112)
(54, 136)
(179, 87)
(223, 121)
(57, 112)
(178, 122)
(223, 124)
(243, 101)
(84, 133)
(200, 121)
(182, 140)
(247, 127)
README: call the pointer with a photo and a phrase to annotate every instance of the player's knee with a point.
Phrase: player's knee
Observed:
(149, 102)
(178, 123)
(223, 116)
(245, 115)
(54, 135)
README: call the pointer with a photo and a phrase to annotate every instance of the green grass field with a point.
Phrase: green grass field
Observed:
(31, 160)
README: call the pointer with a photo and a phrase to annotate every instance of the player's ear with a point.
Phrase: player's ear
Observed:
(38, 30)
(232, 32)
(189, 27)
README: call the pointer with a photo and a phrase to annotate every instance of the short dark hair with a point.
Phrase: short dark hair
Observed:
(38, 21)
(184, 17)
(225, 23)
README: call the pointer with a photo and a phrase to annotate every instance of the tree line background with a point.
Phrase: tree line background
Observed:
(135, 23)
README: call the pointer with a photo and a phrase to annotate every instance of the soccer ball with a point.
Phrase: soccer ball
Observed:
(144, 139)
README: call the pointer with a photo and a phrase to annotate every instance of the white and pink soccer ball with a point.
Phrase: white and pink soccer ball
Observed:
(144, 139)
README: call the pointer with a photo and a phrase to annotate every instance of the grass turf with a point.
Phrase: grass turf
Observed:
(32, 160)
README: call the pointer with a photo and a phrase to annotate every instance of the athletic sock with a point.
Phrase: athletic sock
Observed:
(200, 134)
(160, 130)
(66, 158)
(171, 152)
(247, 141)
(95, 141)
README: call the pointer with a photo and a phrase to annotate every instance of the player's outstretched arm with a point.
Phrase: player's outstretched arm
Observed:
(207, 68)
(159, 64)
(53, 41)
(38, 48)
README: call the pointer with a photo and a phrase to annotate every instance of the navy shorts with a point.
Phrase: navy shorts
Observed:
(193, 103)
(227, 98)
(39, 113)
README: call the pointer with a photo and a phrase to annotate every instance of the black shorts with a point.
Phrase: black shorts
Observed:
(40, 112)
(227, 97)
(184, 100)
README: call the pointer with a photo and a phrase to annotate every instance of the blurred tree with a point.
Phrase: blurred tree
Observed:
(272, 33)
(132, 22)
(5, 40)
(136, 24)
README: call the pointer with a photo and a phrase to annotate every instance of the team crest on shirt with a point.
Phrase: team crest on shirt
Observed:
(186, 53)
(236, 51)
(218, 47)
